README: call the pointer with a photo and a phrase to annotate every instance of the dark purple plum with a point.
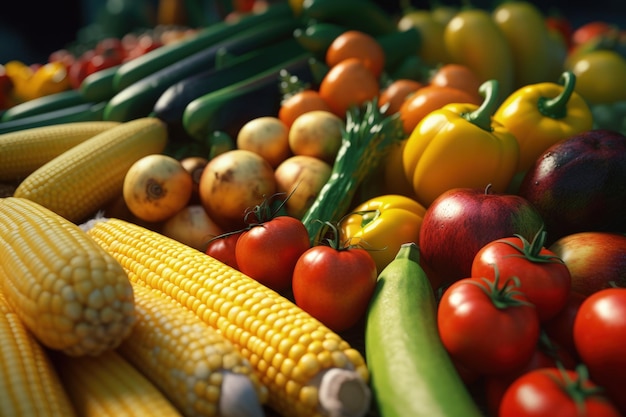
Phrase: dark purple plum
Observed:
(579, 184)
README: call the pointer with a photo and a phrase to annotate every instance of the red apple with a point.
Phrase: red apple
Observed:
(578, 184)
(594, 259)
(462, 220)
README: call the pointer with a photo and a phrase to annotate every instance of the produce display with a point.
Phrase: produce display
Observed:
(318, 208)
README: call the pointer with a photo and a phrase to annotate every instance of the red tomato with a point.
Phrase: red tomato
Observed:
(335, 285)
(563, 26)
(560, 328)
(268, 252)
(590, 30)
(78, 69)
(545, 356)
(486, 329)
(107, 59)
(544, 278)
(600, 337)
(6, 86)
(549, 392)
(222, 248)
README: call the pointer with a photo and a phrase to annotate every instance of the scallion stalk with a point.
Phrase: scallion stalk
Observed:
(366, 140)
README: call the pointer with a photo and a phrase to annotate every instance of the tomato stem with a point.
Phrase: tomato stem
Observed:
(505, 295)
(578, 389)
(532, 250)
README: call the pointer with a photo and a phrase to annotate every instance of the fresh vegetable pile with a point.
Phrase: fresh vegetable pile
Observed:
(320, 209)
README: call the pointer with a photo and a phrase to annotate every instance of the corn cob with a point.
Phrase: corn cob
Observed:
(189, 360)
(309, 370)
(71, 294)
(26, 150)
(107, 385)
(82, 179)
(29, 384)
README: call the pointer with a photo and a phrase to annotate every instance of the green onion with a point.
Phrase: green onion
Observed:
(366, 140)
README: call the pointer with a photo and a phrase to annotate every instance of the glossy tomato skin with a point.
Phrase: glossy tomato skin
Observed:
(482, 337)
(544, 357)
(600, 337)
(546, 284)
(560, 328)
(223, 247)
(541, 393)
(335, 285)
(268, 252)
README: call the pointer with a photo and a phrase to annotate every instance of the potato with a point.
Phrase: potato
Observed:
(316, 133)
(234, 182)
(267, 136)
(304, 176)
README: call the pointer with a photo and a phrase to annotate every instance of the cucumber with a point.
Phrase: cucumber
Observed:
(138, 99)
(228, 108)
(364, 15)
(411, 372)
(171, 104)
(98, 86)
(85, 112)
(153, 61)
(44, 104)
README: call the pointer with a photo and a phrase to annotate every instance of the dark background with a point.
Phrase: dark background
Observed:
(31, 30)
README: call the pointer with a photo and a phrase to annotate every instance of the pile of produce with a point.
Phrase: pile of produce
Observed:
(316, 208)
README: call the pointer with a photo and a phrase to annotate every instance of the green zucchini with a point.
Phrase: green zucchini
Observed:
(228, 108)
(144, 65)
(86, 112)
(98, 86)
(318, 36)
(399, 45)
(171, 104)
(364, 15)
(411, 372)
(44, 104)
(138, 99)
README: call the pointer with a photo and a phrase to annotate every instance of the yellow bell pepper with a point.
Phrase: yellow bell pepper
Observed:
(382, 224)
(50, 78)
(394, 180)
(472, 38)
(460, 145)
(539, 115)
(20, 75)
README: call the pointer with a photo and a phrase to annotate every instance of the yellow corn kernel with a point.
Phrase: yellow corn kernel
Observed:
(107, 385)
(70, 293)
(29, 384)
(81, 180)
(260, 322)
(187, 359)
(26, 150)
